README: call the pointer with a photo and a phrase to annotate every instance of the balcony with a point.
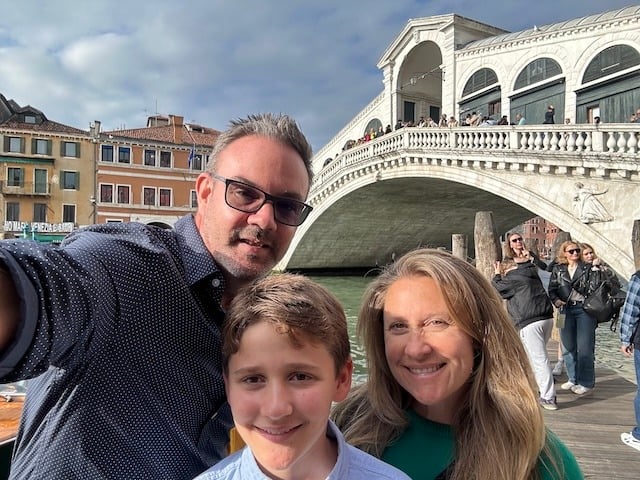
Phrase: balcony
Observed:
(38, 189)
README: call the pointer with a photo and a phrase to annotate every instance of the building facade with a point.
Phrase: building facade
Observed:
(57, 178)
(47, 175)
(148, 174)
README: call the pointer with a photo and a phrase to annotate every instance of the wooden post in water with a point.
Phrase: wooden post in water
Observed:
(561, 237)
(487, 244)
(459, 245)
(635, 243)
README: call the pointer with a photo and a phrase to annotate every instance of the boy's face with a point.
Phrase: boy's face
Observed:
(280, 397)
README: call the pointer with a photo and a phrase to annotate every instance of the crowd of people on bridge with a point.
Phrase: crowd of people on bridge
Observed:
(145, 347)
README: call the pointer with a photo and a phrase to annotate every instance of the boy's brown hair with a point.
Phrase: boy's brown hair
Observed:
(297, 307)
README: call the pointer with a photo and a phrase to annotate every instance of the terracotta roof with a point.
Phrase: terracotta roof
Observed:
(165, 134)
(46, 126)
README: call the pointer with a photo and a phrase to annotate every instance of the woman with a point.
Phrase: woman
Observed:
(532, 313)
(449, 391)
(515, 248)
(571, 280)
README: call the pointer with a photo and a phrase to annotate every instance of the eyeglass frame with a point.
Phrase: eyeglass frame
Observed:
(515, 240)
(267, 197)
(573, 251)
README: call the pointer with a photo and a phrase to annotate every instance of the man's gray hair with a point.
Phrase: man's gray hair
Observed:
(280, 128)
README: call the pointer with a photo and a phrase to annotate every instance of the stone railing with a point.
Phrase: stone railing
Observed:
(539, 143)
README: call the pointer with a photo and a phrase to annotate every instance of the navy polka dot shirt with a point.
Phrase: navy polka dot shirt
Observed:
(121, 332)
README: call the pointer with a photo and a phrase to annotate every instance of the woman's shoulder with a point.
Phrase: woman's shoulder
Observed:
(563, 464)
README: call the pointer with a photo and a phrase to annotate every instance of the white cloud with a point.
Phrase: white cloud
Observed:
(213, 60)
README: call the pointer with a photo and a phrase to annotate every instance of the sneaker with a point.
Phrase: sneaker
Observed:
(628, 439)
(580, 390)
(568, 385)
(549, 404)
(557, 368)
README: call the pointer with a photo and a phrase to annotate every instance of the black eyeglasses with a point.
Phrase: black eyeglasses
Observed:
(249, 199)
(514, 240)
(573, 251)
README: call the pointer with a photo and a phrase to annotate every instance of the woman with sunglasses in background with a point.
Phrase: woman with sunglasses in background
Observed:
(568, 287)
(515, 248)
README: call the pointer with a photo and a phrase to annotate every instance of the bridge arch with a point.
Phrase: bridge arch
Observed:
(416, 187)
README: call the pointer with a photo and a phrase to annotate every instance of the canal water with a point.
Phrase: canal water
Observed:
(349, 290)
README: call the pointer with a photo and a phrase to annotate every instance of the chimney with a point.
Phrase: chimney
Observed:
(94, 129)
(177, 122)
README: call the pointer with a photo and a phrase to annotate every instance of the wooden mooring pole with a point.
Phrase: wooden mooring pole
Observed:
(486, 243)
(459, 245)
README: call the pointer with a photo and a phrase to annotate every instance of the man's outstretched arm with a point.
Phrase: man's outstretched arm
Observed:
(9, 309)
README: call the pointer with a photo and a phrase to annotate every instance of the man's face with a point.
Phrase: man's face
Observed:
(246, 245)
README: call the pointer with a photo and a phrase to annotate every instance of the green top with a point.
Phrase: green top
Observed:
(426, 448)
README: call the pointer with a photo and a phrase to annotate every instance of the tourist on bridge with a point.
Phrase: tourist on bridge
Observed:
(571, 280)
(549, 115)
(120, 325)
(449, 392)
(630, 339)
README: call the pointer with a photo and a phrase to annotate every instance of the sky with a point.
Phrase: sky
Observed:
(211, 61)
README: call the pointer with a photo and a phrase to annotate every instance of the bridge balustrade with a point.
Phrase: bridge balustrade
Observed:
(615, 142)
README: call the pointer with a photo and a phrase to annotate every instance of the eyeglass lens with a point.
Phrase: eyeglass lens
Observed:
(573, 251)
(250, 199)
(514, 240)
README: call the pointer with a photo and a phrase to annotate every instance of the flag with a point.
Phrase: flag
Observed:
(192, 155)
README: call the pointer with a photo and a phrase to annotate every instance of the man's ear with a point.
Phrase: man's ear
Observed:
(204, 187)
(343, 381)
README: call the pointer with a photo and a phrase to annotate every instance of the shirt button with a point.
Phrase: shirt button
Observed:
(215, 282)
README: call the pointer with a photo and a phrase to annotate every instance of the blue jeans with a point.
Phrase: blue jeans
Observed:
(636, 403)
(579, 341)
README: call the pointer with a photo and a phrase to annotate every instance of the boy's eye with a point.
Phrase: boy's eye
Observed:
(301, 377)
(253, 379)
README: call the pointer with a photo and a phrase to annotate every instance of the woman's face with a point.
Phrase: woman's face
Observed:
(572, 253)
(517, 242)
(588, 255)
(428, 354)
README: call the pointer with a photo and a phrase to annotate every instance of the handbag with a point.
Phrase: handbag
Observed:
(599, 303)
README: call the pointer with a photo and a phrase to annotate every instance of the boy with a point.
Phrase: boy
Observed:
(286, 358)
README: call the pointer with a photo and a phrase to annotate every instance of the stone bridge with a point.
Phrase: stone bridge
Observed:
(418, 186)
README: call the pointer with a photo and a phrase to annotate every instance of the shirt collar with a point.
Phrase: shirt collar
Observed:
(197, 260)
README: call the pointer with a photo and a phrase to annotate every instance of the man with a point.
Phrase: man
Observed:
(630, 339)
(520, 120)
(549, 115)
(120, 326)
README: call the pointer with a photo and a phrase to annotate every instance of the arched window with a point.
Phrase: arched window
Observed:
(537, 71)
(611, 60)
(375, 124)
(479, 80)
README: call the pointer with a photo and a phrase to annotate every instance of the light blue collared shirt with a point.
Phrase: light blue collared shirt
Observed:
(352, 464)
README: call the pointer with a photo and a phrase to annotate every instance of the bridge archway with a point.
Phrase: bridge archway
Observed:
(420, 83)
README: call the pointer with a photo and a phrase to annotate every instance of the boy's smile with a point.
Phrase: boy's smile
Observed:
(281, 395)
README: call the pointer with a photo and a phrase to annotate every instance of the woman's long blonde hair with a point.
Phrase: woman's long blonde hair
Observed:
(499, 429)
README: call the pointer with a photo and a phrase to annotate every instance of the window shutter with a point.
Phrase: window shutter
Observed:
(33, 146)
(62, 172)
(78, 149)
(48, 147)
(77, 180)
(61, 148)
(22, 144)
